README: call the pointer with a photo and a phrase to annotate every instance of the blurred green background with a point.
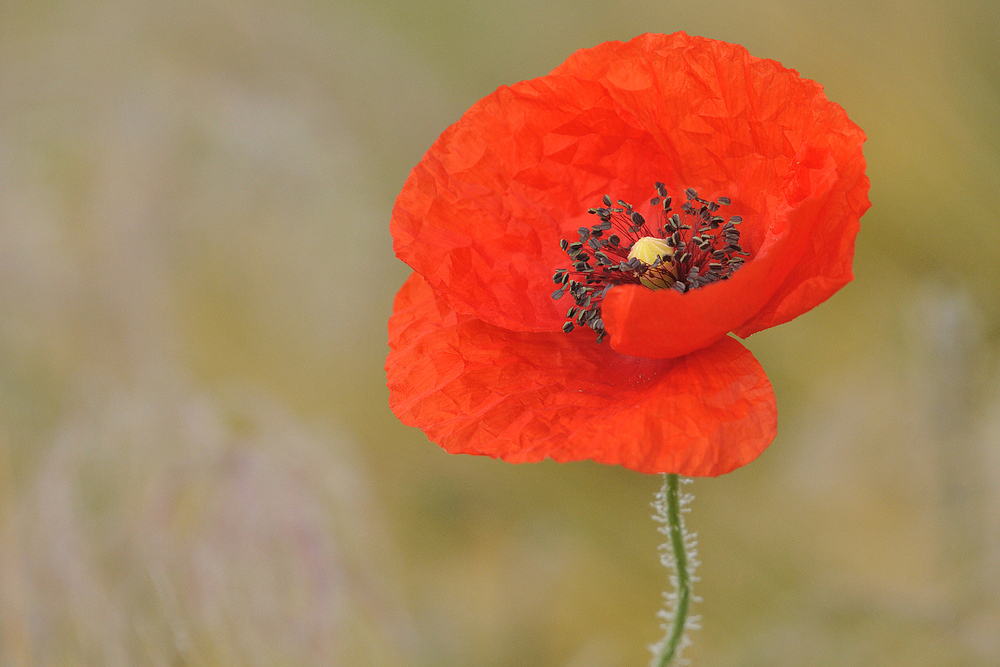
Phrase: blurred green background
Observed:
(197, 462)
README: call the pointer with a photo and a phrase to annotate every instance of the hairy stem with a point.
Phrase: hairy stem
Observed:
(669, 512)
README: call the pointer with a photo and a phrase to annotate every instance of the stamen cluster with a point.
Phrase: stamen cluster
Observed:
(704, 248)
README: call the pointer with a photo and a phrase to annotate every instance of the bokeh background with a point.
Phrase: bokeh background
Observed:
(197, 461)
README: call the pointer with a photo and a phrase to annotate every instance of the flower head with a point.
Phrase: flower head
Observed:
(532, 187)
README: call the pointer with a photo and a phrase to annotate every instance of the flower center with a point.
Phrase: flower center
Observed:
(684, 251)
(656, 256)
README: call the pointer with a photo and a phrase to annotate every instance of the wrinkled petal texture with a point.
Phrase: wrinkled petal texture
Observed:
(480, 217)
(480, 389)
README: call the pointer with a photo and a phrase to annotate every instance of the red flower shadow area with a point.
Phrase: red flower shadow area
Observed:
(479, 360)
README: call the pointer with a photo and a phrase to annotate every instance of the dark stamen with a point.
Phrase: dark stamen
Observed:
(705, 249)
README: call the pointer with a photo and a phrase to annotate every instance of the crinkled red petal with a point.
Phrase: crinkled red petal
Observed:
(829, 222)
(521, 396)
(481, 216)
(664, 324)
(811, 190)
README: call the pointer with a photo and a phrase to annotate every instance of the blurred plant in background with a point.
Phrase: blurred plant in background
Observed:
(198, 465)
(162, 528)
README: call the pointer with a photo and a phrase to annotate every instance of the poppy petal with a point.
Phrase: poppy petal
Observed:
(823, 261)
(479, 389)
(481, 215)
(730, 123)
(801, 236)
(664, 324)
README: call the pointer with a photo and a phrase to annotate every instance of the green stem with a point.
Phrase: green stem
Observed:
(682, 602)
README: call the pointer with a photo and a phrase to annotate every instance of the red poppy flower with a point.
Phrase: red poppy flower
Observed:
(484, 360)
